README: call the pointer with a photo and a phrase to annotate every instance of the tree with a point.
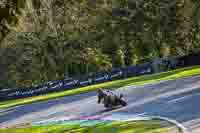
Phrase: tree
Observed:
(10, 12)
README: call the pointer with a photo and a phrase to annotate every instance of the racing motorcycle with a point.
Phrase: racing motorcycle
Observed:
(110, 100)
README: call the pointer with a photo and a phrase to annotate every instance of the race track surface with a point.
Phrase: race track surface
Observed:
(175, 99)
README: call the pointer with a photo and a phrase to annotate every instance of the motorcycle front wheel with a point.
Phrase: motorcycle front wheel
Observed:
(123, 103)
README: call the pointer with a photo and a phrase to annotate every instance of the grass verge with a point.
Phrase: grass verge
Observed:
(115, 127)
(140, 80)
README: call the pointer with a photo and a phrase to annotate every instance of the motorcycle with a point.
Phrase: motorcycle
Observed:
(111, 101)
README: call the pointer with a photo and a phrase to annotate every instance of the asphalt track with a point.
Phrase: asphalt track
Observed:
(176, 99)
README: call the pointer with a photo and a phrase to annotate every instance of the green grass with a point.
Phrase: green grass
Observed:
(140, 80)
(116, 127)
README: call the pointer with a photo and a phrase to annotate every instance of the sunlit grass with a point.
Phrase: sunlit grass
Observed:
(140, 80)
(116, 127)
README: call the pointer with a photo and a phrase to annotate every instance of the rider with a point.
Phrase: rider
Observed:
(107, 96)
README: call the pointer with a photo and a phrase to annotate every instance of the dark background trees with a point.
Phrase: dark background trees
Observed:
(48, 39)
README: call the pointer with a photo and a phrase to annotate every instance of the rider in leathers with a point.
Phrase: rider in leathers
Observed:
(107, 96)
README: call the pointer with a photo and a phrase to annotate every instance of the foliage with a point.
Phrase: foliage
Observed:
(66, 38)
(10, 12)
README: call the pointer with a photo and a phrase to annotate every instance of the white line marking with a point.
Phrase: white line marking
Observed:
(182, 98)
(179, 125)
